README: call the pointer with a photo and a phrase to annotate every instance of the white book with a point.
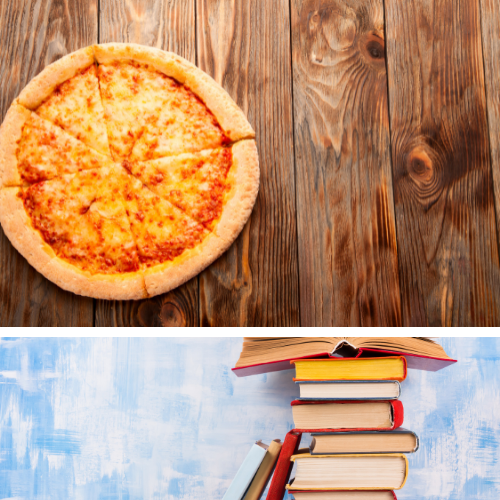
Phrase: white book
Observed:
(349, 389)
(246, 472)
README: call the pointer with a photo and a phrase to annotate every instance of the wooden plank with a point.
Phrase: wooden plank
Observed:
(445, 215)
(34, 35)
(347, 252)
(168, 26)
(245, 46)
(490, 20)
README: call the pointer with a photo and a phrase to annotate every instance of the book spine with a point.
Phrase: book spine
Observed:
(245, 474)
(398, 414)
(284, 466)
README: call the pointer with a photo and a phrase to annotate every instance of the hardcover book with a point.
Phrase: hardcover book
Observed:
(342, 495)
(349, 390)
(263, 355)
(350, 472)
(261, 478)
(333, 416)
(284, 466)
(398, 441)
(386, 368)
(246, 472)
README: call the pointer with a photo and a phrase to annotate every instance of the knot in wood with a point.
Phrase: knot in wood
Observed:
(171, 315)
(423, 168)
(372, 46)
(375, 49)
(329, 30)
(420, 167)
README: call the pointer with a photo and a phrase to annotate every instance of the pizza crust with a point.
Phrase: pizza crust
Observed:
(230, 117)
(244, 176)
(53, 75)
(238, 203)
(28, 241)
(10, 133)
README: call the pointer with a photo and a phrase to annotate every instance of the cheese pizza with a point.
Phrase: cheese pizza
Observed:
(125, 171)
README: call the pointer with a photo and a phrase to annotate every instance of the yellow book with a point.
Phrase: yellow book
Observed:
(349, 472)
(390, 368)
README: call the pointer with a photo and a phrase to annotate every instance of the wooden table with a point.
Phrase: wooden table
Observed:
(378, 128)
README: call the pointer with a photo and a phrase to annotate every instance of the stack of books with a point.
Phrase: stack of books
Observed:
(351, 408)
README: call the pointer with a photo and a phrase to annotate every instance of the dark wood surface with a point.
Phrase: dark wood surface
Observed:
(345, 213)
(442, 174)
(378, 128)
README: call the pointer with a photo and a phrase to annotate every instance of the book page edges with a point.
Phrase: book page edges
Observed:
(271, 366)
(414, 361)
(417, 361)
(364, 455)
(291, 491)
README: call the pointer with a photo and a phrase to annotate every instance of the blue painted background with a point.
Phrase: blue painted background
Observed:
(166, 419)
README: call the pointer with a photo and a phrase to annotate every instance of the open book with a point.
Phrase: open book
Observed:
(269, 354)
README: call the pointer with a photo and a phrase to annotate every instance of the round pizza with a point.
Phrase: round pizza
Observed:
(125, 171)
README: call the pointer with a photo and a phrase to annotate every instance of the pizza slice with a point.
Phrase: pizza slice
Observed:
(185, 124)
(194, 182)
(82, 218)
(133, 95)
(76, 107)
(38, 150)
(162, 232)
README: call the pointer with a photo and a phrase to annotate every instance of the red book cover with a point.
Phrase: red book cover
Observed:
(291, 492)
(397, 414)
(413, 361)
(284, 466)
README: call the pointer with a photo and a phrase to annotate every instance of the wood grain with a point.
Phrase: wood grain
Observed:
(34, 34)
(347, 251)
(245, 46)
(490, 21)
(168, 25)
(445, 216)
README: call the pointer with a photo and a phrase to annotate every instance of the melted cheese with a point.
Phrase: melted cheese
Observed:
(82, 217)
(46, 151)
(162, 231)
(76, 107)
(94, 213)
(184, 125)
(133, 96)
(195, 183)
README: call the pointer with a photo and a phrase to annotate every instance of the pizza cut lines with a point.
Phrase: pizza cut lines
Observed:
(76, 107)
(184, 125)
(42, 150)
(126, 179)
(88, 201)
(162, 232)
(68, 95)
(75, 240)
(133, 95)
(194, 182)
